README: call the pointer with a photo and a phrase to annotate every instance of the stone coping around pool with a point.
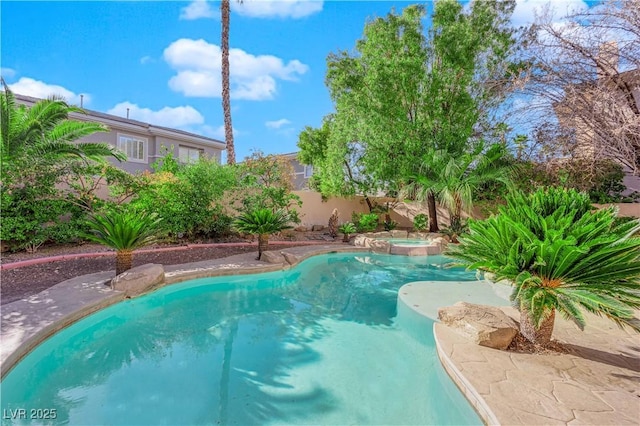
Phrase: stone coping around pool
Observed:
(375, 241)
(596, 383)
(29, 321)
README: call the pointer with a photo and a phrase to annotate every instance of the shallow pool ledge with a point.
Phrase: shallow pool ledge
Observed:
(595, 383)
(418, 304)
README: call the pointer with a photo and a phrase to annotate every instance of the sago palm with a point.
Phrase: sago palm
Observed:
(262, 222)
(560, 256)
(124, 232)
(45, 131)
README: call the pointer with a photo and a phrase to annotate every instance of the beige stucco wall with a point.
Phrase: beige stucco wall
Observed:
(314, 211)
(624, 209)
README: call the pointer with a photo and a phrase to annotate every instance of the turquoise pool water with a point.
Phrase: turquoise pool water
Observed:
(314, 345)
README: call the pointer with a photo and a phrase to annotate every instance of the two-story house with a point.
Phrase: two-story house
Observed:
(301, 172)
(143, 143)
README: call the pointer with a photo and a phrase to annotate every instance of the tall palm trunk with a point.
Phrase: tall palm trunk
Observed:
(540, 336)
(124, 261)
(263, 243)
(226, 92)
(433, 213)
(456, 217)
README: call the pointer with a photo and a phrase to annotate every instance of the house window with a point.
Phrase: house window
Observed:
(308, 171)
(134, 147)
(189, 155)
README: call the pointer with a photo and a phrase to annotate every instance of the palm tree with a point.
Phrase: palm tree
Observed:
(45, 131)
(262, 222)
(454, 179)
(124, 232)
(560, 256)
(225, 11)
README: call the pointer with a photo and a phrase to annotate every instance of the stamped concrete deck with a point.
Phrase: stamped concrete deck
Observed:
(596, 383)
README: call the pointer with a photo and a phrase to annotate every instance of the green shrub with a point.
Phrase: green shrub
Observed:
(390, 225)
(456, 229)
(421, 222)
(190, 202)
(365, 222)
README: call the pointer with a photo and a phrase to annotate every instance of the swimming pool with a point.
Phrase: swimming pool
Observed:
(317, 344)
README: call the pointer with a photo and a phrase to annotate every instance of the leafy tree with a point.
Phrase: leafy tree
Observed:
(400, 97)
(123, 231)
(338, 164)
(560, 256)
(262, 222)
(265, 182)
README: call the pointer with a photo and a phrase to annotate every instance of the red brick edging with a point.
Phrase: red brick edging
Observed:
(63, 257)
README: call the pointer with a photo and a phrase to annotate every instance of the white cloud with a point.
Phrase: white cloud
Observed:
(526, 10)
(38, 89)
(213, 132)
(198, 66)
(197, 9)
(7, 72)
(277, 123)
(277, 9)
(146, 59)
(168, 116)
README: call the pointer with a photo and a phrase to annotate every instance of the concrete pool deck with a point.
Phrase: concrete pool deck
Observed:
(597, 383)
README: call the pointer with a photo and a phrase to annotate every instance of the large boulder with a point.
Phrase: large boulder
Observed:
(380, 246)
(138, 280)
(361, 241)
(485, 325)
(273, 257)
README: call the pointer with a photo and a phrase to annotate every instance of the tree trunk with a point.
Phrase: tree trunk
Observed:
(124, 261)
(433, 213)
(541, 336)
(369, 204)
(226, 92)
(263, 243)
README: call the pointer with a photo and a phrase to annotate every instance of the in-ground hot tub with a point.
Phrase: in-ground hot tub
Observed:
(402, 243)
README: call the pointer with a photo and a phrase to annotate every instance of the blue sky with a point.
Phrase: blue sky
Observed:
(161, 59)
